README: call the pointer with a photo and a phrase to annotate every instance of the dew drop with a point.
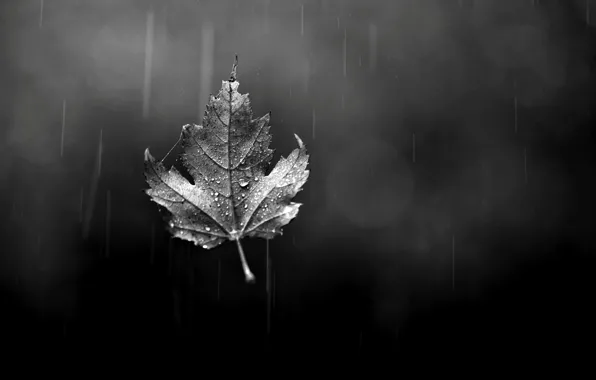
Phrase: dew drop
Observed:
(205, 246)
(217, 181)
(207, 228)
(245, 205)
(243, 195)
(243, 183)
(256, 178)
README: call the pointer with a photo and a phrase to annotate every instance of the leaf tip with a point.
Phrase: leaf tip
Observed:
(148, 156)
(233, 75)
(300, 143)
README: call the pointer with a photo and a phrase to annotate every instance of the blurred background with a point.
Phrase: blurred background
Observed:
(448, 209)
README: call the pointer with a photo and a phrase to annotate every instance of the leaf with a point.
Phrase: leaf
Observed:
(232, 196)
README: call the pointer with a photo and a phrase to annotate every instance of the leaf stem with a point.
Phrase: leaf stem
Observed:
(172, 148)
(250, 278)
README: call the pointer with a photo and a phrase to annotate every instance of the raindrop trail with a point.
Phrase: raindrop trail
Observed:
(148, 63)
(248, 275)
(345, 51)
(343, 103)
(63, 124)
(302, 19)
(108, 221)
(453, 262)
(413, 148)
(152, 252)
(337, 22)
(314, 122)
(41, 14)
(268, 287)
(588, 12)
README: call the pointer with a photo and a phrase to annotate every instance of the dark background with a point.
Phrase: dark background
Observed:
(448, 210)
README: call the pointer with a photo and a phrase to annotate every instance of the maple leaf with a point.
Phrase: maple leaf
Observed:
(232, 196)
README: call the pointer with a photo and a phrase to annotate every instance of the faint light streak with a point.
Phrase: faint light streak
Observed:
(93, 189)
(268, 286)
(148, 63)
(81, 204)
(372, 53)
(207, 52)
(170, 256)
(302, 19)
(41, 14)
(152, 252)
(218, 278)
(306, 75)
(413, 148)
(63, 125)
(266, 18)
(525, 166)
(453, 262)
(108, 221)
(314, 123)
(515, 105)
(274, 289)
(345, 51)
(100, 153)
(360, 341)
